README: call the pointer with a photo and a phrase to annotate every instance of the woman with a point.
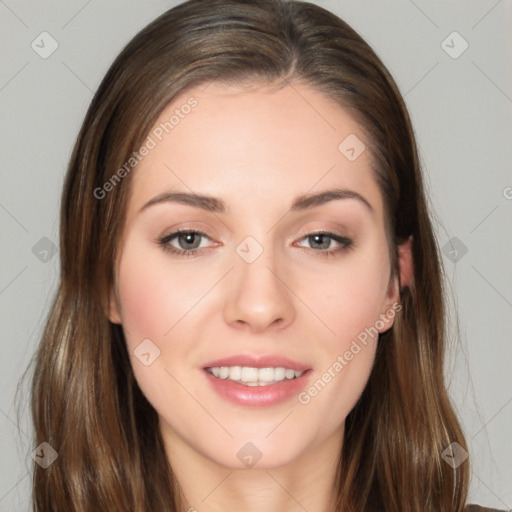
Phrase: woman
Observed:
(250, 314)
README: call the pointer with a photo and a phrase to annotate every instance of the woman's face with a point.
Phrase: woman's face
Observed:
(287, 271)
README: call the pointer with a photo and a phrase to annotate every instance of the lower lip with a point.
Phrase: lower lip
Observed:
(258, 396)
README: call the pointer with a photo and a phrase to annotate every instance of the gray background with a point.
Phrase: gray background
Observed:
(462, 112)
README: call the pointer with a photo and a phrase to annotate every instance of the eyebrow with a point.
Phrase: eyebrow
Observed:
(215, 205)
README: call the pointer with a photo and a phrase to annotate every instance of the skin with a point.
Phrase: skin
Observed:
(257, 150)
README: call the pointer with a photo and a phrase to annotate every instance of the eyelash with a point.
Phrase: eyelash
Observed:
(345, 243)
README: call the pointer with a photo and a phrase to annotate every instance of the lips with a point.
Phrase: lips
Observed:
(263, 361)
(258, 396)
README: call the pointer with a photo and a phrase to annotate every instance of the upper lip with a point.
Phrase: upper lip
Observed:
(263, 361)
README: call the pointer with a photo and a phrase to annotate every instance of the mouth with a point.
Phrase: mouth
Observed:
(257, 381)
(251, 376)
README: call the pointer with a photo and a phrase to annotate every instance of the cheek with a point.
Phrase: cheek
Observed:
(351, 297)
(350, 303)
(166, 304)
(346, 361)
(158, 305)
(154, 296)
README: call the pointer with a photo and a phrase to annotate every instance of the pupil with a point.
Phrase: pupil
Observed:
(188, 238)
(322, 240)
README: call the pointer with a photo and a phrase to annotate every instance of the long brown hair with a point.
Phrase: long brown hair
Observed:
(85, 401)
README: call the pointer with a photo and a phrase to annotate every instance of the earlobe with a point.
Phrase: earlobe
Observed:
(113, 314)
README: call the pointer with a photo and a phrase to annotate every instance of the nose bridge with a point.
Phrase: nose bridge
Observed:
(258, 296)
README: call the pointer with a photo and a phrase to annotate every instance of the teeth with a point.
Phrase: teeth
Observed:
(234, 373)
(254, 376)
(248, 374)
(279, 373)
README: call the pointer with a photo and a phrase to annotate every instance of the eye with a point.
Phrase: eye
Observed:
(328, 244)
(192, 242)
(184, 242)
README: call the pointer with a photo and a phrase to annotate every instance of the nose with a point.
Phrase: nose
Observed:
(259, 298)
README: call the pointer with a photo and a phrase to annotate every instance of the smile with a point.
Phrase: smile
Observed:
(250, 376)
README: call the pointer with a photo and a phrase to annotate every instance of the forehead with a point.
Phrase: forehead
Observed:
(256, 141)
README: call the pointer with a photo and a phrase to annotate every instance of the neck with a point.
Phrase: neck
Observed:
(306, 483)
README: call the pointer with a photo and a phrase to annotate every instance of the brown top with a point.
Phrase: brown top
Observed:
(478, 508)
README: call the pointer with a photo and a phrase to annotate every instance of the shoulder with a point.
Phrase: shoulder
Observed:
(478, 508)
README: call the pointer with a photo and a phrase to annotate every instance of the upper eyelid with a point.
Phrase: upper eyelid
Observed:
(335, 237)
(176, 233)
(185, 230)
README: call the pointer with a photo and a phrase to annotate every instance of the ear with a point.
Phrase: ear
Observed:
(114, 314)
(405, 263)
(392, 301)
